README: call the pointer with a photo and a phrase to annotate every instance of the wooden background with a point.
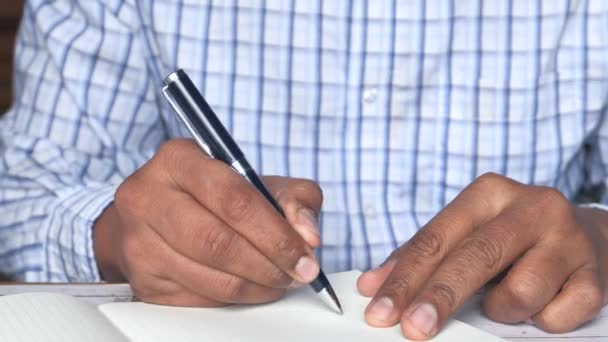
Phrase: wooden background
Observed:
(10, 14)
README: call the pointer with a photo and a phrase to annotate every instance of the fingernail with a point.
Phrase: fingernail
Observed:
(386, 263)
(309, 221)
(424, 318)
(389, 261)
(307, 269)
(381, 310)
(373, 270)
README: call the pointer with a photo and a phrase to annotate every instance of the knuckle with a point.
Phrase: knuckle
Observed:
(523, 291)
(232, 289)
(218, 244)
(277, 278)
(427, 244)
(127, 194)
(237, 204)
(167, 153)
(400, 285)
(552, 205)
(444, 294)
(287, 248)
(549, 197)
(172, 148)
(173, 157)
(485, 251)
(491, 190)
(490, 181)
(133, 196)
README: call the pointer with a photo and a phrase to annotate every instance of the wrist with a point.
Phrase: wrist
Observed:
(104, 245)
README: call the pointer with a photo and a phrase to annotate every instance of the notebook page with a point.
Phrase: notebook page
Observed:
(53, 317)
(300, 316)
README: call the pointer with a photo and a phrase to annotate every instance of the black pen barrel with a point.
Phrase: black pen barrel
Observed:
(203, 119)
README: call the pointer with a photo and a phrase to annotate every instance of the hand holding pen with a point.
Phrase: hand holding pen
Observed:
(216, 142)
(187, 230)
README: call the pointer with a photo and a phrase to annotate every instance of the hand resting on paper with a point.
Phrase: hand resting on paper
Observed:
(187, 230)
(557, 254)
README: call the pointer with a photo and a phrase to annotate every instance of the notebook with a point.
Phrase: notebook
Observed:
(299, 316)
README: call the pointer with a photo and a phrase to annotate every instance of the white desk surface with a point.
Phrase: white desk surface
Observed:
(592, 332)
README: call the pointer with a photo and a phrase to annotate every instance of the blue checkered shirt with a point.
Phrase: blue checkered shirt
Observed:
(392, 106)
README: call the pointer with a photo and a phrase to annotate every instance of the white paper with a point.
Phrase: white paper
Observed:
(53, 317)
(300, 316)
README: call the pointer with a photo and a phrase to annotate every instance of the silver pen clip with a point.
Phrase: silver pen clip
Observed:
(199, 140)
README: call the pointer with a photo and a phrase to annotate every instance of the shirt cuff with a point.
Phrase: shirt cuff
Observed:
(67, 234)
(599, 206)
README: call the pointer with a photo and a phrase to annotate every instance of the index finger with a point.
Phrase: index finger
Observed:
(233, 200)
(481, 256)
(301, 201)
(418, 258)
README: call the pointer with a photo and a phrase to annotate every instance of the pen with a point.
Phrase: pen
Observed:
(209, 133)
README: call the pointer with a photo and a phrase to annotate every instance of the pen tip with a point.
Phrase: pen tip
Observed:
(336, 307)
(331, 299)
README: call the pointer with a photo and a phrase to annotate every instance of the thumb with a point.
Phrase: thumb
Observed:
(301, 201)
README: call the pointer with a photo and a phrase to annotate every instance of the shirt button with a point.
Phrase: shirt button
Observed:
(370, 95)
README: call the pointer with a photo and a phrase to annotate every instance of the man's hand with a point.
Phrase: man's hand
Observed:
(557, 253)
(188, 230)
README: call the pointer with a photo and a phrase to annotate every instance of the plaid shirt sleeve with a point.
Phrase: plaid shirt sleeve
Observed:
(75, 131)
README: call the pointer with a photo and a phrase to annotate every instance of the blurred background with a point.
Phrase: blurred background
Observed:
(10, 14)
